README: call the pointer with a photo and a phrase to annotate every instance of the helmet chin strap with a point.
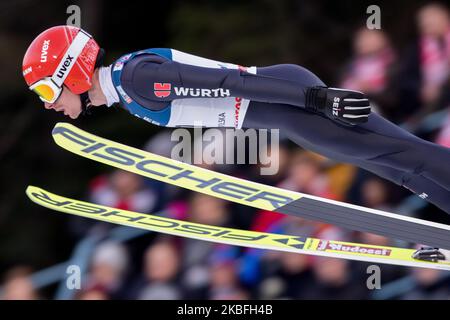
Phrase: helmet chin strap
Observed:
(86, 104)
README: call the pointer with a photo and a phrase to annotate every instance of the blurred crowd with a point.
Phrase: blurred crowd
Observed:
(404, 84)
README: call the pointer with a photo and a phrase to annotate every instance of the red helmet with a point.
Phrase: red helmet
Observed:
(46, 54)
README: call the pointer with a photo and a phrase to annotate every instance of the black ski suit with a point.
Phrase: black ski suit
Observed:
(277, 100)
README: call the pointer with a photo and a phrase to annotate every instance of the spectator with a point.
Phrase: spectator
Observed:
(161, 268)
(426, 64)
(93, 294)
(123, 190)
(434, 28)
(287, 276)
(18, 286)
(208, 210)
(279, 159)
(375, 194)
(163, 143)
(430, 284)
(224, 282)
(334, 281)
(443, 137)
(108, 270)
(119, 189)
(196, 254)
(306, 175)
(370, 69)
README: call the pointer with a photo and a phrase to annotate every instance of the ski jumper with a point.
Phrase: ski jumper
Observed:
(170, 88)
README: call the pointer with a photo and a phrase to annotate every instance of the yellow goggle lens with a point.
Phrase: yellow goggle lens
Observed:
(45, 92)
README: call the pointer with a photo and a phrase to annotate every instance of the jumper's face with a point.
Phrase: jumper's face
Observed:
(68, 102)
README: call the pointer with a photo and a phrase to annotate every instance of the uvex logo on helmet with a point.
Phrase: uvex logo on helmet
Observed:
(44, 50)
(64, 67)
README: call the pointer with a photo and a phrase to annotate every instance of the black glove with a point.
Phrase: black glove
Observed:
(345, 106)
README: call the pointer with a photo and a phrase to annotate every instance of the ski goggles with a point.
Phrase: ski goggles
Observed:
(49, 88)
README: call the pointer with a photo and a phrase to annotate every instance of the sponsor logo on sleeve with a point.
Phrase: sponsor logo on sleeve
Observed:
(124, 95)
(126, 57)
(118, 66)
(222, 119)
(237, 109)
(163, 90)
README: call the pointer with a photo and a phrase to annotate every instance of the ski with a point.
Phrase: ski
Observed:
(250, 193)
(245, 238)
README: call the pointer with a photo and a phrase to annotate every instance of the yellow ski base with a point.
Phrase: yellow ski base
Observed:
(261, 240)
(250, 193)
